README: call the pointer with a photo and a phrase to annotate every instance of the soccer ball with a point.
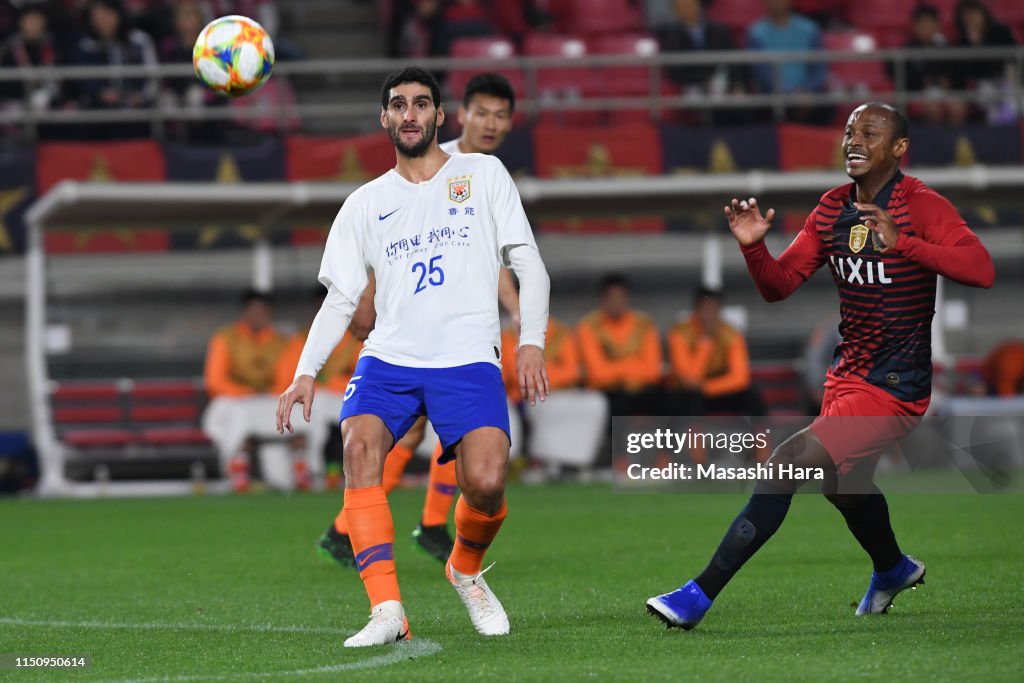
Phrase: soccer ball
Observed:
(233, 56)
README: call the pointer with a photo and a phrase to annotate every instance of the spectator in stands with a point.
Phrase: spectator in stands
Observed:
(784, 30)
(31, 46)
(1003, 369)
(442, 22)
(710, 362)
(241, 367)
(186, 91)
(930, 77)
(110, 41)
(976, 27)
(691, 32)
(621, 351)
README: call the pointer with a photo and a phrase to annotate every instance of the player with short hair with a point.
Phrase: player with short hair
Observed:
(434, 230)
(486, 118)
(885, 237)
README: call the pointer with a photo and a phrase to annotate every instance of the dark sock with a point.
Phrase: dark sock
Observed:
(870, 525)
(756, 523)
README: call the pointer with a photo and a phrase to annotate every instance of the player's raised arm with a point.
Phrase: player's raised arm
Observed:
(775, 279)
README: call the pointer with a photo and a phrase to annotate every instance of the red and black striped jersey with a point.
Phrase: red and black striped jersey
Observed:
(886, 300)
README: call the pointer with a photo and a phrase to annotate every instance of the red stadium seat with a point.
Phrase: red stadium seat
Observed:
(1010, 12)
(738, 15)
(565, 83)
(99, 438)
(604, 16)
(855, 76)
(625, 81)
(887, 20)
(563, 78)
(87, 391)
(87, 414)
(174, 412)
(487, 47)
(164, 390)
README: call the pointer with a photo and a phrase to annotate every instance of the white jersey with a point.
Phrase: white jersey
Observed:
(451, 147)
(435, 248)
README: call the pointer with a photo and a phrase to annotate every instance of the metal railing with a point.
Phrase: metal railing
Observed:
(360, 114)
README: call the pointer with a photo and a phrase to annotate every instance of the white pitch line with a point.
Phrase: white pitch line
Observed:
(418, 647)
(160, 626)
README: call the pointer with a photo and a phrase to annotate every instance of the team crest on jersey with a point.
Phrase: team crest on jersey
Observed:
(458, 190)
(858, 237)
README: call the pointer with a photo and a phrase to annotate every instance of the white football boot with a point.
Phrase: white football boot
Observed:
(388, 624)
(486, 613)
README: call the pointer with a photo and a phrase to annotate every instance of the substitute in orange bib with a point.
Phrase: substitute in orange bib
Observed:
(621, 352)
(241, 361)
(710, 362)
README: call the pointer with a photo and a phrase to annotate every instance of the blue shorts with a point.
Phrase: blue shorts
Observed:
(456, 400)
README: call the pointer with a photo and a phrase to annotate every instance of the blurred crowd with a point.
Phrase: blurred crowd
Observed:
(114, 33)
(432, 27)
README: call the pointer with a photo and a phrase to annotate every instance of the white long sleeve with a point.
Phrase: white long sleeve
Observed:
(327, 329)
(534, 292)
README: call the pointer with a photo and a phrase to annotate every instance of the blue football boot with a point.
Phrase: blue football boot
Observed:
(683, 607)
(885, 586)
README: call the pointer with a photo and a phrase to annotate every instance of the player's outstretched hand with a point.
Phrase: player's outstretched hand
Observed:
(746, 221)
(532, 373)
(301, 391)
(881, 224)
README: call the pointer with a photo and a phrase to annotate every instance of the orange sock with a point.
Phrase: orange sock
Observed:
(474, 531)
(394, 466)
(373, 539)
(441, 489)
(340, 523)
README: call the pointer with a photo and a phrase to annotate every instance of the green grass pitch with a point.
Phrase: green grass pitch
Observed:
(229, 588)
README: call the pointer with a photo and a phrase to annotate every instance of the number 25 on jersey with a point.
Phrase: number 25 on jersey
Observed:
(431, 274)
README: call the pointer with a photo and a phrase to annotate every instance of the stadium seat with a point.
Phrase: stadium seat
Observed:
(855, 76)
(738, 15)
(86, 391)
(1010, 12)
(487, 47)
(562, 83)
(87, 414)
(604, 16)
(99, 438)
(887, 20)
(173, 412)
(164, 390)
(624, 81)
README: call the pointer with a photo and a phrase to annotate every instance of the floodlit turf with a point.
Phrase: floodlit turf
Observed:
(212, 588)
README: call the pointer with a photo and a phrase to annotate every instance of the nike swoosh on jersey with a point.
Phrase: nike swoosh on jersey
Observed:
(380, 218)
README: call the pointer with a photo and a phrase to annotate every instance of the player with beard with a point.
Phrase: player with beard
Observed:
(485, 115)
(434, 230)
(885, 237)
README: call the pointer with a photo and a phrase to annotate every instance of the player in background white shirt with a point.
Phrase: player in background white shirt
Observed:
(435, 231)
(485, 115)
